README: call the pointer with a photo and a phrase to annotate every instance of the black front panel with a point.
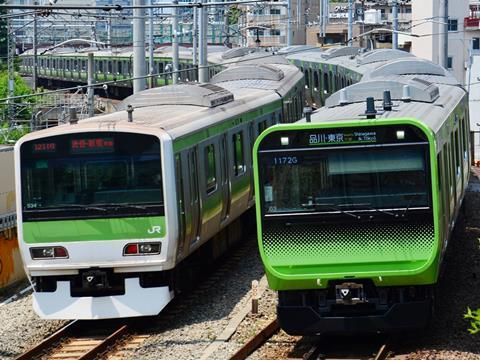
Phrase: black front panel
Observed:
(91, 175)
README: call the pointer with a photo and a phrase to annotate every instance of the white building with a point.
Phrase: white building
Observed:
(428, 25)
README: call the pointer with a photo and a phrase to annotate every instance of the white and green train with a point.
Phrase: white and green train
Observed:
(110, 208)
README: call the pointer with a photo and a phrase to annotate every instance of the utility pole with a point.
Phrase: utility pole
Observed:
(321, 34)
(444, 36)
(203, 69)
(109, 30)
(226, 26)
(350, 22)
(299, 17)
(195, 37)
(326, 14)
(90, 80)
(139, 71)
(10, 68)
(150, 48)
(289, 22)
(395, 25)
(175, 74)
(35, 52)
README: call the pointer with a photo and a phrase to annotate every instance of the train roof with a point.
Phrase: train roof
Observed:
(277, 77)
(183, 119)
(430, 103)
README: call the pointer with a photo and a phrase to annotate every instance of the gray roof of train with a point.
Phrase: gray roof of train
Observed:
(432, 114)
(275, 77)
(181, 120)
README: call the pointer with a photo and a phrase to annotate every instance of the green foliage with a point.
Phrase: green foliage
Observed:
(234, 14)
(474, 317)
(11, 133)
(20, 88)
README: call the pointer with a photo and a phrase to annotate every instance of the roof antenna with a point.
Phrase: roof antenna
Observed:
(407, 97)
(307, 111)
(371, 111)
(387, 101)
(130, 113)
(343, 97)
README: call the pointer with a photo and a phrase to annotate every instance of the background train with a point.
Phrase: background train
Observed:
(355, 208)
(110, 209)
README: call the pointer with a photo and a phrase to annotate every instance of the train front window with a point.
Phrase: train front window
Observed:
(345, 179)
(91, 175)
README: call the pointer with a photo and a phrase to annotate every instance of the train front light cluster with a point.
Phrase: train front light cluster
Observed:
(48, 253)
(142, 249)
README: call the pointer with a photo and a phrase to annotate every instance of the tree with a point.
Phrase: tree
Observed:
(3, 39)
(21, 88)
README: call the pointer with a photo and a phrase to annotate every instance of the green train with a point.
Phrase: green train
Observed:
(357, 203)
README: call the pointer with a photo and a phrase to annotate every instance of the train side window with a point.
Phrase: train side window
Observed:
(180, 197)
(316, 82)
(238, 157)
(211, 179)
(307, 79)
(120, 67)
(457, 154)
(261, 126)
(326, 85)
(100, 66)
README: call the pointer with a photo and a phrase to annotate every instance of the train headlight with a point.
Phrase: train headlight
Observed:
(400, 135)
(50, 252)
(142, 249)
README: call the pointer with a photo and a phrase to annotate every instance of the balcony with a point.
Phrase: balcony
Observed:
(471, 23)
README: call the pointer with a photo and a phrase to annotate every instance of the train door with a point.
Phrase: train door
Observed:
(181, 203)
(194, 195)
(225, 181)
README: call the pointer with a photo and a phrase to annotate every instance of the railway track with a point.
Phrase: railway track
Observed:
(324, 348)
(81, 340)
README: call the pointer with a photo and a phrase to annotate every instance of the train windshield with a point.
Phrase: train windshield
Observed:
(337, 180)
(91, 175)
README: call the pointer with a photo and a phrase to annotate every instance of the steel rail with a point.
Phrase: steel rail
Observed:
(258, 340)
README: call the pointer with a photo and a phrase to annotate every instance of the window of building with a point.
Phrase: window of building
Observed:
(476, 43)
(274, 11)
(452, 25)
(450, 62)
(210, 168)
(239, 162)
(275, 32)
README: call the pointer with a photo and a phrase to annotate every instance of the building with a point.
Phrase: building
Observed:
(471, 26)
(268, 25)
(367, 16)
(428, 29)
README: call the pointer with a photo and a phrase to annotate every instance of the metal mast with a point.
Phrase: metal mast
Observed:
(10, 68)
(150, 47)
(289, 22)
(195, 37)
(35, 52)
(350, 22)
(139, 68)
(395, 25)
(444, 36)
(203, 69)
(175, 42)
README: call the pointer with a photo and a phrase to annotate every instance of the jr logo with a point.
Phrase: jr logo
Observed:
(155, 229)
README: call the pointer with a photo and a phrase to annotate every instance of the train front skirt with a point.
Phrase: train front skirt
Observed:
(137, 301)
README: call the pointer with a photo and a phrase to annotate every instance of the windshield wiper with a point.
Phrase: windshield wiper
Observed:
(370, 207)
(334, 207)
(69, 206)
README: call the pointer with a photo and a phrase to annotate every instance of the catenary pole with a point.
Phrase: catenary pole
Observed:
(350, 22)
(139, 68)
(395, 25)
(151, 69)
(175, 42)
(90, 79)
(202, 69)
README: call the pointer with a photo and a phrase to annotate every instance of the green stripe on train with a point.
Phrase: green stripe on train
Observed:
(38, 232)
